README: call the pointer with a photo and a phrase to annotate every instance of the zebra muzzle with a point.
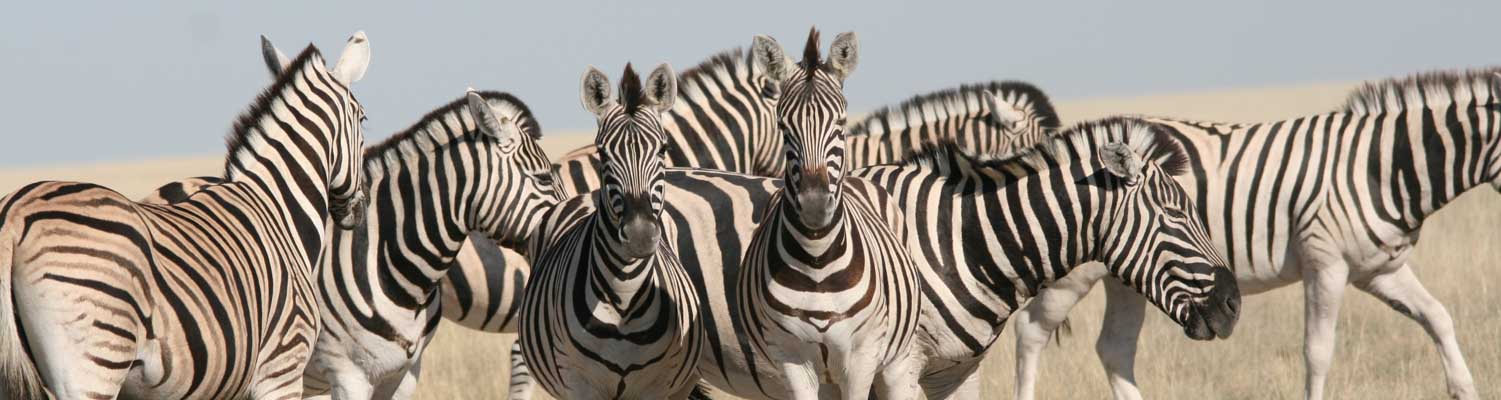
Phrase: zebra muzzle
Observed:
(640, 236)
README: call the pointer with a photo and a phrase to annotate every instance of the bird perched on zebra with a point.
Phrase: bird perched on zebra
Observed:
(827, 290)
(212, 297)
(1328, 200)
(471, 166)
(610, 312)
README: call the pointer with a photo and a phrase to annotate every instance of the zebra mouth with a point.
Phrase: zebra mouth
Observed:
(1216, 316)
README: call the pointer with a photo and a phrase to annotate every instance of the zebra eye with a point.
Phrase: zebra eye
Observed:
(1175, 213)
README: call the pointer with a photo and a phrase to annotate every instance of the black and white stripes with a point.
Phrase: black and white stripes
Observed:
(827, 289)
(1335, 199)
(211, 297)
(610, 312)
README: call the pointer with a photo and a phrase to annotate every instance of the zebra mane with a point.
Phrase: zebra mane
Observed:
(727, 61)
(964, 101)
(1425, 89)
(1066, 147)
(239, 136)
(631, 96)
(812, 61)
(432, 130)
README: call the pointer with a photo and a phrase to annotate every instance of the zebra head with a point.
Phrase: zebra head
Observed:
(346, 190)
(1154, 239)
(346, 186)
(811, 118)
(630, 143)
(520, 180)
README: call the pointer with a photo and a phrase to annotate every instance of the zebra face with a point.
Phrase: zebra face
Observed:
(631, 145)
(347, 197)
(811, 117)
(1157, 243)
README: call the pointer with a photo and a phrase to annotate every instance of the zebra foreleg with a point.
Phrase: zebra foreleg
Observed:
(1124, 312)
(1323, 290)
(1037, 321)
(1402, 291)
(521, 376)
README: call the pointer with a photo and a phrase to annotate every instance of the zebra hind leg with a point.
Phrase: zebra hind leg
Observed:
(1403, 292)
(78, 353)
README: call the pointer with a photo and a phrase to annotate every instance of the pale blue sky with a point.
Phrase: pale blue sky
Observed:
(127, 80)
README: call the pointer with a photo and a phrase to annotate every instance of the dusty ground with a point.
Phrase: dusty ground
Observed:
(1381, 355)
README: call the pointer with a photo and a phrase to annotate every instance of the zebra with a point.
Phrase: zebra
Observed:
(479, 160)
(212, 297)
(724, 119)
(610, 312)
(827, 290)
(1328, 200)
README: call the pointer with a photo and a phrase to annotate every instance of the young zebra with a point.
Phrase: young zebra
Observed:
(212, 297)
(478, 162)
(827, 289)
(1328, 200)
(610, 312)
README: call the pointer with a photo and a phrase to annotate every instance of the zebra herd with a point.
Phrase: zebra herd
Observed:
(729, 228)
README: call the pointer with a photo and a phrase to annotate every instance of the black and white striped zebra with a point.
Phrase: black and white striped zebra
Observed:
(212, 297)
(450, 176)
(828, 291)
(724, 119)
(609, 311)
(1328, 200)
(991, 233)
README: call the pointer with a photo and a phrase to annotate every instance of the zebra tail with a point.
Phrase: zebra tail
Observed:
(1064, 329)
(521, 376)
(19, 378)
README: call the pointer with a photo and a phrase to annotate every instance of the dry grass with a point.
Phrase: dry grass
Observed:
(1381, 355)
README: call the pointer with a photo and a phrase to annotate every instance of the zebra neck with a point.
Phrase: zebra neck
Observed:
(416, 227)
(811, 251)
(1421, 159)
(287, 170)
(617, 278)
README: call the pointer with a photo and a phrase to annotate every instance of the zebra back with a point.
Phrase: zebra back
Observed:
(989, 119)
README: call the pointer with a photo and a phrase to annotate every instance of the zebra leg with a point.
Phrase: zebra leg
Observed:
(899, 379)
(78, 354)
(521, 376)
(801, 378)
(1124, 312)
(352, 384)
(1323, 290)
(1402, 291)
(1039, 319)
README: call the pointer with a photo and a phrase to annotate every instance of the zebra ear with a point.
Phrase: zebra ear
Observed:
(595, 91)
(356, 57)
(1122, 162)
(1003, 113)
(768, 55)
(844, 54)
(275, 60)
(490, 122)
(661, 88)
